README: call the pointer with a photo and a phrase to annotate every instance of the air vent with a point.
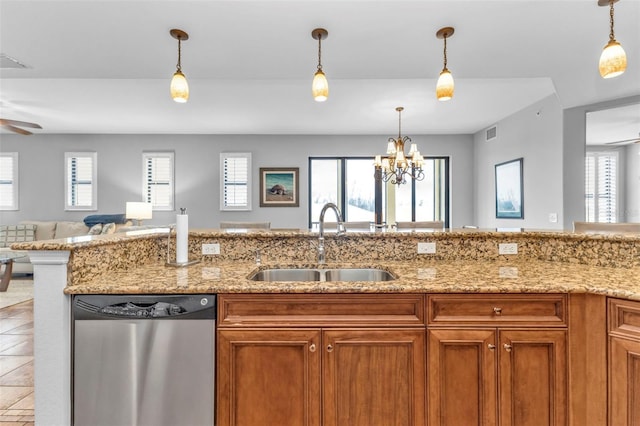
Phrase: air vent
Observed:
(7, 62)
(492, 133)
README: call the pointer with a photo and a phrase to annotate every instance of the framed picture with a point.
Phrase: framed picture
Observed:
(279, 187)
(509, 194)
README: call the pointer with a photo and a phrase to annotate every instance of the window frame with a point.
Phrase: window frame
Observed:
(596, 155)
(146, 155)
(15, 183)
(94, 180)
(223, 182)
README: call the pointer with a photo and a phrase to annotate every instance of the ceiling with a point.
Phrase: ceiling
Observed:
(104, 66)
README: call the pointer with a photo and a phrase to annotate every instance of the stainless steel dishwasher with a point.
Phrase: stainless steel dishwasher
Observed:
(143, 360)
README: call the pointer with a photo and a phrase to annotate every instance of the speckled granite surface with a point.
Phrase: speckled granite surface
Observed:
(466, 261)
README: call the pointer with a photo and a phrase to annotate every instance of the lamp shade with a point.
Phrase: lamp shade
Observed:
(613, 60)
(179, 87)
(138, 210)
(445, 86)
(320, 87)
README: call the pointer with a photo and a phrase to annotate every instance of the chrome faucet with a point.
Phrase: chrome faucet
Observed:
(341, 230)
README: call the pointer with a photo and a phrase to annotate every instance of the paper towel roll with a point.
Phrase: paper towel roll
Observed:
(182, 238)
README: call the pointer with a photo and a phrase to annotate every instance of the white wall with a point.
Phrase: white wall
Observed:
(633, 183)
(535, 134)
(197, 172)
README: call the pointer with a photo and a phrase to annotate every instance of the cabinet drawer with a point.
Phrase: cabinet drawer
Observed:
(624, 318)
(503, 309)
(273, 310)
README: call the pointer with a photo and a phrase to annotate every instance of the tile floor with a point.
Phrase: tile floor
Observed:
(16, 365)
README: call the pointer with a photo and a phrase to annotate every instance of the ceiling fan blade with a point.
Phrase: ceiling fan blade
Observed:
(623, 142)
(6, 122)
(16, 129)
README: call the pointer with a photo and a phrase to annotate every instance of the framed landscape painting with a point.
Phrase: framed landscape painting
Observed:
(509, 194)
(279, 187)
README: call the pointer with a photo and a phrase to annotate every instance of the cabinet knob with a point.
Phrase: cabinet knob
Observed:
(312, 347)
(329, 348)
(497, 311)
(507, 347)
(491, 346)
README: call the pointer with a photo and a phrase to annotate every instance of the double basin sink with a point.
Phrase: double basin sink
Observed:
(319, 274)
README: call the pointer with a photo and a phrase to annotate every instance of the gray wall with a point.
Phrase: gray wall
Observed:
(535, 134)
(574, 137)
(197, 172)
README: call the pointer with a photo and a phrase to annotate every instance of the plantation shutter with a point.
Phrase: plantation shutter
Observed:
(158, 180)
(81, 186)
(601, 186)
(235, 177)
(9, 181)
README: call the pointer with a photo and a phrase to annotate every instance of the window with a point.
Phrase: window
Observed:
(81, 182)
(235, 181)
(601, 197)
(349, 183)
(157, 180)
(9, 181)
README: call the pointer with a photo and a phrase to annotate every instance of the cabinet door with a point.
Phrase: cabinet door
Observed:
(462, 377)
(268, 377)
(624, 382)
(532, 372)
(374, 377)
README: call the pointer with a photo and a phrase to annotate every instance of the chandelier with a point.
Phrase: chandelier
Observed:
(396, 166)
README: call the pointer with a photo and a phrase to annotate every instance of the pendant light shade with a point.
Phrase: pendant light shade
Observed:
(445, 85)
(179, 87)
(320, 85)
(613, 60)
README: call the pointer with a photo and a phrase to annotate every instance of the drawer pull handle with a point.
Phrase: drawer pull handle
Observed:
(329, 348)
(312, 347)
(507, 347)
(497, 311)
(491, 347)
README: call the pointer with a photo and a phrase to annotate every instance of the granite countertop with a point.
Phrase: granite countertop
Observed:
(428, 276)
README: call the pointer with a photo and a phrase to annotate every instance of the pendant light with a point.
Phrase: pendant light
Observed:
(179, 85)
(445, 86)
(613, 60)
(320, 86)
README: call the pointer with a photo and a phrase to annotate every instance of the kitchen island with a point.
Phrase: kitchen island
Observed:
(582, 269)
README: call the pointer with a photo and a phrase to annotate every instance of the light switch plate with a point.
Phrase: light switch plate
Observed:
(508, 248)
(210, 249)
(553, 217)
(426, 248)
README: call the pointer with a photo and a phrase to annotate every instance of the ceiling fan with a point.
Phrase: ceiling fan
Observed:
(625, 141)
(16, 126)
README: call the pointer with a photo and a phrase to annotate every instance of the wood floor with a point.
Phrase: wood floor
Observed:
(16, 365)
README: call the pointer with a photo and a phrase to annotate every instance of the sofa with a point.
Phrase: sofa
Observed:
(29, 230)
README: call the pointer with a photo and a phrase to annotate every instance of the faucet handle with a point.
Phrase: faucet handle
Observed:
(258, 259)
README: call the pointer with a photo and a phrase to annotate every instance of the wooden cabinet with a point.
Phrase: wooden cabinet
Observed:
(500, 361)
(624, 362)
(346, 368)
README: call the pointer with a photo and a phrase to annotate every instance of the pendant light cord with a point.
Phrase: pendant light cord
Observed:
(179, 68)
(445, 51)
(611, 36)
(400, 125)
(319, 52)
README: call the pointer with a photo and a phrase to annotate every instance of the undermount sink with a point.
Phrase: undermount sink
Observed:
(315, 274)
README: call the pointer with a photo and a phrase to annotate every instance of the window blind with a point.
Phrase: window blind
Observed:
(9, 181)
(601, 186)
(158, 180)
(235, 191)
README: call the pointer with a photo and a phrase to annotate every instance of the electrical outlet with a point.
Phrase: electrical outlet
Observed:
(508, 248)
(553, 217)
(426, 248)
(210, 249)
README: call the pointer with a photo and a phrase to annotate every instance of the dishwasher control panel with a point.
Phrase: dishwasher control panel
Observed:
(144, 306)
